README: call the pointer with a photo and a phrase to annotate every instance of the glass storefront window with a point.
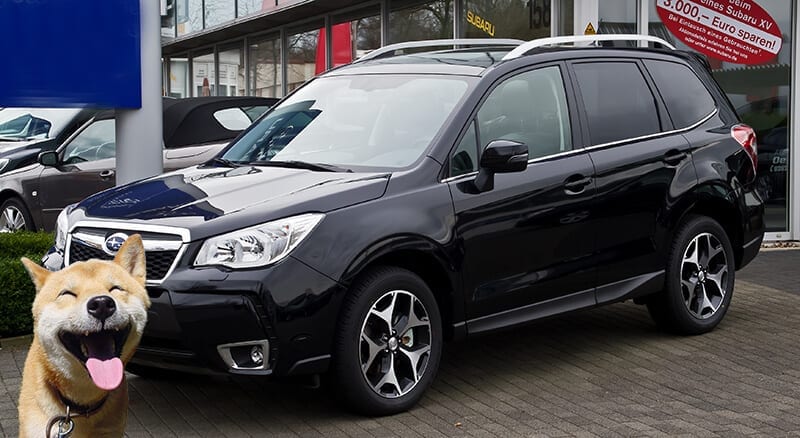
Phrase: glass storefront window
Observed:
(179, 76)
(355, 35)
(265, 67)
(204, 75)
(219, 11)
(189, 16)
(305, 57)
(761, 96)
(523, 19)
(427, 21)
(168, 22)
(247, 7)
(231, 71)
(617, 17)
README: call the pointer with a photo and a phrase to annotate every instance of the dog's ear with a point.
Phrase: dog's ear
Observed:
(38, 274)
(131, 258)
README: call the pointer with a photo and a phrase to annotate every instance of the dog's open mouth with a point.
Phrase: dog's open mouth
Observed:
(99, 352)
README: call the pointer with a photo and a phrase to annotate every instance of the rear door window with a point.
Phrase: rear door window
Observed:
(618, 101)
(688, 101)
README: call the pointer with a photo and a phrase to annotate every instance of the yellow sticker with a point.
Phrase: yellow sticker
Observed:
(589, 29)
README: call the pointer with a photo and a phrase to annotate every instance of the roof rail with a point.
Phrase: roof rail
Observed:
(541, 42)
(434, 43)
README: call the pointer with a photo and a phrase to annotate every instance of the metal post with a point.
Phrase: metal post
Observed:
(793, 200)
(139, 131)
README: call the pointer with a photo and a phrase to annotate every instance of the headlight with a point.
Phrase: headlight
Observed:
(62, 225)
(3, 163)
(259, 245)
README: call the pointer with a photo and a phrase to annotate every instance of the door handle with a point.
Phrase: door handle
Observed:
(576, 183)
(673, 157)
(106, 174)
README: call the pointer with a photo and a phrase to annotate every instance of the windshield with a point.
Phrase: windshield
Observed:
(374, 121)
(33, 123)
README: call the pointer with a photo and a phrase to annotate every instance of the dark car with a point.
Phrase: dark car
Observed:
(24, 132)
(401, 201)
(195, 129)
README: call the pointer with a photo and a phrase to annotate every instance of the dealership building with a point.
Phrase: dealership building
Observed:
(270, 47)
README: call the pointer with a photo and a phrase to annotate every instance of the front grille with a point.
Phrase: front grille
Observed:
(158, 262)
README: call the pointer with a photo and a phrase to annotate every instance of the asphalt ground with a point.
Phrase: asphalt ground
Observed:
(604, 372)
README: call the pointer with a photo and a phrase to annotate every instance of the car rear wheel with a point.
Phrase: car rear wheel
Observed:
(14, 217)
(389, 343)
(700, 278)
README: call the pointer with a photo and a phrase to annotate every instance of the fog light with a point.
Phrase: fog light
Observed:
(245, 356)
(257, 355)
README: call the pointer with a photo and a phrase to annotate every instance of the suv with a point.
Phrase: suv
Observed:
(401, 201)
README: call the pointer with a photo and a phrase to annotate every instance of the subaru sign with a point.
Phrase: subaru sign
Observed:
(70, 53)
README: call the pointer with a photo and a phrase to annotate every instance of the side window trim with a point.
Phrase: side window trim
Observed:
(656, 135)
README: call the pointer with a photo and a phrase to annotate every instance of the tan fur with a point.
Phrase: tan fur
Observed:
(50, 365)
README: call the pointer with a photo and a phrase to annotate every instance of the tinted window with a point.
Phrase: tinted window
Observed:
(618, 101)
(687, 99)
(530, 108)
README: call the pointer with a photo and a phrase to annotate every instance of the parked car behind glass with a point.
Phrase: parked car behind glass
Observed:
(195, 129)
(24, 132)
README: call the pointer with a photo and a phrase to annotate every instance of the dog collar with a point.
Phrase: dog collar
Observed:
(77, 409)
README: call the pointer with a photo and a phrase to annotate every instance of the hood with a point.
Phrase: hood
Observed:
(215, 200)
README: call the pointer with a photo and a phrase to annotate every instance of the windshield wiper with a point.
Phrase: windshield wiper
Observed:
(11, 138)
(293, 164)
(225, 162)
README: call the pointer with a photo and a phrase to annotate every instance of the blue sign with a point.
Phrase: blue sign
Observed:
(70, 53)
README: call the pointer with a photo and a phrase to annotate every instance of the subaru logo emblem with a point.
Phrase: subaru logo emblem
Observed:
(114, 243)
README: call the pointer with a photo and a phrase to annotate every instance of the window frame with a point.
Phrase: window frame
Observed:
(571, 97)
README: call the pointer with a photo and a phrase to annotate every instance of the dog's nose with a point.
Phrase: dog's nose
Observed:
(101, 307)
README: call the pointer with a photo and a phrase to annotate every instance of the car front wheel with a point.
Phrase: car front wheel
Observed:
(14, 217)
(699, 279)
(389, 342)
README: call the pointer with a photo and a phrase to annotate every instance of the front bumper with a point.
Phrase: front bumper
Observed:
(194, 311)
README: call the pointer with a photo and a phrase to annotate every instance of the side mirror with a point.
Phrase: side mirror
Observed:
(48, 158)
(505, 156)
(500, 156)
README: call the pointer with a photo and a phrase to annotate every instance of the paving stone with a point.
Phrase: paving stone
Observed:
(606, 372)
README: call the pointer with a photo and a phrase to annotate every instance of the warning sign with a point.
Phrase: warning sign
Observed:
(589, 29)
(737, 31)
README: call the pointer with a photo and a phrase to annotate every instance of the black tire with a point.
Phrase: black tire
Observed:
(12, 209)
(680, 309)
(373, 290)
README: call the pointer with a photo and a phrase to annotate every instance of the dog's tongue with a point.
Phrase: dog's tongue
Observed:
(106, 374)
(105, 369)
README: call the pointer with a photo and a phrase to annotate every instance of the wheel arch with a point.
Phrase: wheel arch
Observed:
(719, 205)
(426, 259)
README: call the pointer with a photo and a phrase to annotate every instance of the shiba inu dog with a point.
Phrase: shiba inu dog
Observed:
(88, 320)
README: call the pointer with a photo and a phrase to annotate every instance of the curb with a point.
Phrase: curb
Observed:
(17, 341)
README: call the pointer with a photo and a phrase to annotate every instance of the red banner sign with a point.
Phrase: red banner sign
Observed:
(737, 31)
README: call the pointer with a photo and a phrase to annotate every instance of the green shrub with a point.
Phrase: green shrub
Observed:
(16, 287)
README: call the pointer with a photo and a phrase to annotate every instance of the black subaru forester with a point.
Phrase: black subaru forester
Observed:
(404, 200)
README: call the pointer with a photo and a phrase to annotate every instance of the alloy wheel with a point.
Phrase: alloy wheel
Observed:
(704, 275)
(11, 220)
(395, 344)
